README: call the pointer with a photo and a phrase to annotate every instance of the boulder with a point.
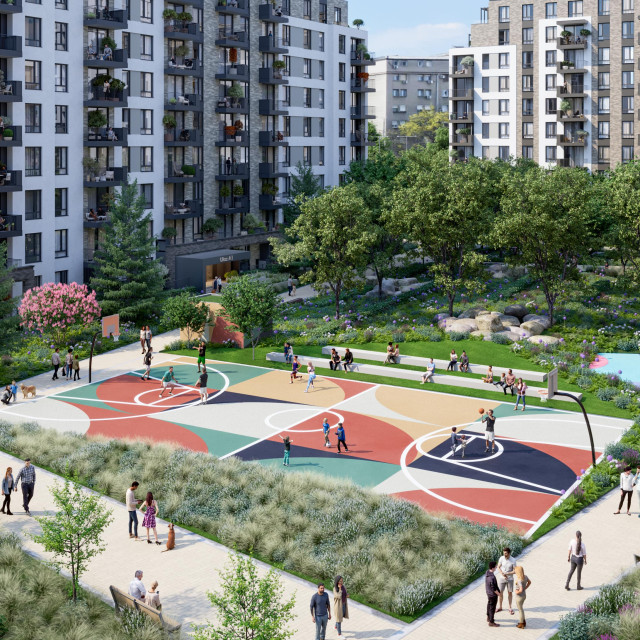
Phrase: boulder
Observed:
(533, 327)
(545, 321)
(388, 285)
(544, 339)
(613, 271)
(509, 321)
(441, 316)
(464, 325)
(510, 335)
(471, 313)
(489, 323)
(404, 282)
(481, 334)
(518, 310)
(482, 312)
(446, 322)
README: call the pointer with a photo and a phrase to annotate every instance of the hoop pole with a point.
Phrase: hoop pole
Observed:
(93, 342)
(586, 419)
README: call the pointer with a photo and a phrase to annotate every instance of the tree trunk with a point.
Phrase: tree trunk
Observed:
(338, 290)
(451, 297)
(380, 277)
(551, 301)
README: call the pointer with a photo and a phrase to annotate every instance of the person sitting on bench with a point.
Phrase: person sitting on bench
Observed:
(489, 377)
(334, 361)
(348, 359)
(427, 376)
(502, 382)
(390, 353)
(464, 362)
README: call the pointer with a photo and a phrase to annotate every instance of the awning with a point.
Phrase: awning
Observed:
(215, 257)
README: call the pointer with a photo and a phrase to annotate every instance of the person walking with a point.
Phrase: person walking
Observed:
(148, 336)
(7, 486)
(148, 356)
(202, 354)
(320, 611)
(325, 430)
(340, 604)
(626, 489)
(289, 284)
(491, 588)
(168, 380)
(132, 508)
(311, 370)
(522, 583)
(28, 476)
(143, 338)
(453, 360)
(55, 361)
(504, 575)
(342, 438)
(577, 558)
(489, 431)
(76, 368)
(150, 509)
(202, 384)
(287, 449)
(521, 394)
(68, 362)
(427, 376)
(295, 365)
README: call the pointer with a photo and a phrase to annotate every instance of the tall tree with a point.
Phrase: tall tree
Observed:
(305, 185)
(128, 277)
(545, 220)
(333, 235)
(424, 124)
(186, 312)
(7, 301)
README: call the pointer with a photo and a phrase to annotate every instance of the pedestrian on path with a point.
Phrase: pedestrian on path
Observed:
(202, 354)
(289, 285)
(7, 486)
(295, 365)
(55, 361)
(325, 430)
(342, 438)
(504, 573)
(136, 588)
(577, 558)
(491, 587)
(636, 482)
(202, 382)
(521, 394)
(320, 611)
(76, 368)
(489, 431)
(68, 362)
(626, 489)
(287, 449)
(340, 605)
(311, 370)
(143, 337)
(153, 596)
(150, 509)
(168, 380)
(132, 508)
(148, 336)
(522, 584)
(148, 356)
(28, 476)
(14, 391)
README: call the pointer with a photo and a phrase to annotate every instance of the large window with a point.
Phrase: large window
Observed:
(342, 156)
(342, 98)
(61, 78)
(503, 129)
(146, 126)
(62, 277)
(550, 81)
(61, 118)
(146, 191)
(603, 55)
(527, 129)
(604, 32)
(527, 35)
(61, 158)
(32, 75)
(550, 58)
(33, 204)
(146, 46)
(146, 11)
(627, 6)
(627, 79)
(146, 158)
(33, 161)
(575, 8)
(503, 83)
(550, 9)
(604, 154)
(550, 34)
(503, 61)
(603, 7)
(32, 248)
(61, 36)
(503, 36)
(527, 83)
(604, 128)
(62, 247)
(627, 129)
(503, 107)
(61, 203)
(527, 12)
(550, 130)
(527, 107)
(627, 29)
(550, 154)
(604, 81)
(32, 117)
(627, 55)
(146, 85)
(32, 32)
(503, 14)
(627, 104)
(627, 154)
(604, 105)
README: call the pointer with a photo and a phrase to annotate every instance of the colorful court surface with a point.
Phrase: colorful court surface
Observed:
(398, 438)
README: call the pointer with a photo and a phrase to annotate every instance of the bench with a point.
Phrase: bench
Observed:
(363, 354)
(407, 374)
(123, 601)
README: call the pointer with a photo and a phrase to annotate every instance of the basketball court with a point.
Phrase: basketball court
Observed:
(398, 438)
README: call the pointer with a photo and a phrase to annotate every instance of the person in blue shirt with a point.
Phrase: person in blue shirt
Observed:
(455, 440)
(288, 353)
(325, 429)
(341, 437)
(14, 390)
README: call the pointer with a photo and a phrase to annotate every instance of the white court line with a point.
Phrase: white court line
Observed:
(469, 440)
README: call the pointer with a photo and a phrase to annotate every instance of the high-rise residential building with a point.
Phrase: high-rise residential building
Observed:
(550, 81)
(207, 104)
(404, 86)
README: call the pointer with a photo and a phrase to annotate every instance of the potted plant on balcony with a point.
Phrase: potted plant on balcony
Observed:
(170, 124)
(565, 35)
(211, 226)
(96, 120)
(565, 106)
(7, 134)
(236, 92)
(464, 131)
(362, 75)
(225, 194)
(230, 131)
(108, 41)
(169, 16)
(582, 135)
(467, 62)
(233, 55)
(91, 15)
(278, 67)
(92, 168)
(185, 17)
(169, 233)
(251, 224)
(181, 51)
(270, 189)
(238, 193)
(188, 170)
(585, 32)
(566, 64)
(361, 50)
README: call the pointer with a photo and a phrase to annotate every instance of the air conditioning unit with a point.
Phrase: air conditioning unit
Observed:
(443, 76)
(445, 93)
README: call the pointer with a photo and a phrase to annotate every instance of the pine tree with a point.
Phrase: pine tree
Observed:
(7, 302)
(304, 186)
(128, 277)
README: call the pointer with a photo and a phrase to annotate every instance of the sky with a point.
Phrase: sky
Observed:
(416, 27)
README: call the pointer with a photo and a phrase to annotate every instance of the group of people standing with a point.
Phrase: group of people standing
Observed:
(28, 477)
(148, 506)
(505, 575)
(326, 428)
(71, 365)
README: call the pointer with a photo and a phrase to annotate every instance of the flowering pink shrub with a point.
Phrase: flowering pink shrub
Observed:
(54, 308)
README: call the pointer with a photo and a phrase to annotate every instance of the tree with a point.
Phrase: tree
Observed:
(128, 278)
(372, 132)
(54, 308)
(7, 301)
(546, 214)
(445, 209)
(333, 235)
(248, 607)
(185, 312)
(74, 533)
(251, 305)
(424, 124)
(304, 186)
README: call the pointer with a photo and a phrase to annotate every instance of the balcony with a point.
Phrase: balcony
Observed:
(271, 44)
(179, 175)
(11, 91)
(359, 85)
(361, 59)
(232, 170)
(229, 136)
(10, 226)
(101, 18)
(188, 67)
(268, 75)
(239, 72)
(268, 13)
(179, 30)
(10, 181)
(119, 59)
(462, 94)
(462, 72)
(568, 163)
(272, 139)
(467, 116)
(562, 67)
(233, 204)
(188, 102)
(570, 116)
(16, 137)
(462, 140)
(97, 222)
(267, 107)
(268, 170)
(572, 42)
(183, 138)
(360, 139)
(111, 99)
(113, 177)
(115, 137)
(270, 203)
(10, 46)
(237, 8)
(362, 112)
(183, 210)
(232, 105)
(232, 38)
(571, 90)
(571, 140)
(14, 7)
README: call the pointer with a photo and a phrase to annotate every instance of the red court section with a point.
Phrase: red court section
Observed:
(575, 459)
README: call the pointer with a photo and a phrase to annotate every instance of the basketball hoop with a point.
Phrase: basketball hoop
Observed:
(544, 395)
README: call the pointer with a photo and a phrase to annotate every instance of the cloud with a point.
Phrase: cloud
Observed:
(420, 40)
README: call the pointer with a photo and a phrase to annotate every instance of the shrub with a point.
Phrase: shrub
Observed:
(601, 480)
(499, 338)
(398, 336)
(575, 626)
(627, 345)
(456, 336)
(606, 393)
(622, 401)
(611, 598)
(584, 382)
(628, 627)
(615, 449)
(601, 627)
(413, 597)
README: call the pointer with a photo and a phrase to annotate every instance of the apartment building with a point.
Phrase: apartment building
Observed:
(208, 104)
(550, 81)
(404, 86)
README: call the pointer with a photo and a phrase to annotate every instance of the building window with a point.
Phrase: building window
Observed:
(627, 129)
(32, 117)
(342, 156)
(486, 130)
(527, 129)
(485, 85)
(550, 81)
(604, 30)
(603, 55)
(61, 36)
(32, 75)
(504, 153)
(32, 248)
(627, 55)
(503, 129)
(603, 105)
(575, 8)
(342, 71)
(485, 61)
(306, 67)
(527, 83)
(342, 128)
(337, 15)
(550, 129)
(62, 277)
(146, 158)
(527, 12)
(503, 37)
(551, 105)
(321, 128)
(604, 154)
(527, 35)
(33, 205)
(146, 10)
(627, 154)
(627, 104)
(61, 203)
(503, 107)
(32, 161)
(61, 118)
(603, 129)
(61, 78)
(146, 46)
(320, 98)
(627, 6)
(503, 83)
(527, 59)
(551, 10)
(485, 107)
(503, 61)
(146, 191)
(550, 153)
(147, 122)
(527, 107)
(503, 14)
(306, 100)
(627, 79)
(306, 156)
(62, 249)
(603, 80)
(306, 127)
(146, 85)
(320, 69)
(603, 7)
(61, 4)
(286, 35)
(320, 41)
(32, 32)
(527, 152)
(306, 39)
(61, 157)
(341, 100)
(341, 44)
(550, 34)
(627, 29)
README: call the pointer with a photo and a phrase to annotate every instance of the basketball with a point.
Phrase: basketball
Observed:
(480, 410)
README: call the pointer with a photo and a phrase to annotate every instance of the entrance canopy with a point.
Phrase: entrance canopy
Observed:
(191, 269)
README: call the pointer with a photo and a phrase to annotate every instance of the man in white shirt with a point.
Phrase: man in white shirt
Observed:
(136, 588)
(626, 489)
(132, 508)
(427, 376)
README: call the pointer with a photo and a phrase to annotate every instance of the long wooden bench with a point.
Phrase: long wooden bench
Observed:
(407, 374)
(123, 601)
(416, 361)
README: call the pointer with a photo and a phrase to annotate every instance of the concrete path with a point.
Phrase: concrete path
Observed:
(303, 292)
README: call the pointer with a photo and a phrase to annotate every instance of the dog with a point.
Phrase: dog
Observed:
(28, 389)
(171, 540)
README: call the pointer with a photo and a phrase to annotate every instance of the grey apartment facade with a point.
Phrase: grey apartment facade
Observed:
(550, 81)
(405, 86)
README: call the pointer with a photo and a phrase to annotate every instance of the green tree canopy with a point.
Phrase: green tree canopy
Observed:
(186, 312)
(424, 124)
(7, 301)
(304, 186)
(128, 278)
